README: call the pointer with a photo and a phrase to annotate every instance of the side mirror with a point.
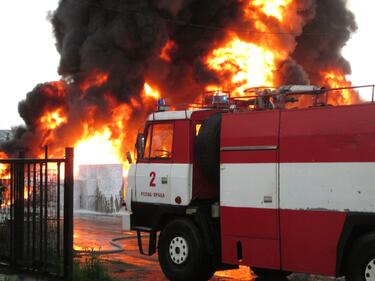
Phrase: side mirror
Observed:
(129, 157)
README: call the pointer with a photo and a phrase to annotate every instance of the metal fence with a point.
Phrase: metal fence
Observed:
(36, 214)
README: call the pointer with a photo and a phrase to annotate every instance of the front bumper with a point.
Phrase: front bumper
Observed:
(126, 221)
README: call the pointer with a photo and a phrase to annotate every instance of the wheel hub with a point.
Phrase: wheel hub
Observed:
(178, 250)
(370, 271)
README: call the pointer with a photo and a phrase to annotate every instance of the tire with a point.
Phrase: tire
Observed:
(178, 236)
(208, 147)
(361, 262)
(270, 274)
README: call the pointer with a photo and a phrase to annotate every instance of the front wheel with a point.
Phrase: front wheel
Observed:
(182, 254)
(361, 265)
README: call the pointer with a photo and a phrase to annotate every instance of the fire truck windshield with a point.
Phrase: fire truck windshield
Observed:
(159, 141)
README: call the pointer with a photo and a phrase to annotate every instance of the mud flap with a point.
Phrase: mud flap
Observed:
(151, 243)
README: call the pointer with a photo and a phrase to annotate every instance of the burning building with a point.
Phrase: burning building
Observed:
(119, 57)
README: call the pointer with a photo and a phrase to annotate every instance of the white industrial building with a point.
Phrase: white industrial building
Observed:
(98, 188)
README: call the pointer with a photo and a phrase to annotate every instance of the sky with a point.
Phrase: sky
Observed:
(360, 49)
(28, 55)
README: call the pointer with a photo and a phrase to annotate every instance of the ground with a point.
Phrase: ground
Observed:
(92, 231)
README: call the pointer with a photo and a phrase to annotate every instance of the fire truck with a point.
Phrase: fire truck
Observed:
(280, 181)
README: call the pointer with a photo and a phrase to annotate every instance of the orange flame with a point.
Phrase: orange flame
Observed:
(248, 65)
(151, 92)
(26, 193)
(109, 144)
(336, 79)
(98, 148)
(106, 145)
(58, 89)
(273, 8)
(52, 120)
(166, 51)
(4, 171)
(95, 79)
(253, 60)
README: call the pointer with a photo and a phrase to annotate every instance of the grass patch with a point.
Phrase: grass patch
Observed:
(91, 269)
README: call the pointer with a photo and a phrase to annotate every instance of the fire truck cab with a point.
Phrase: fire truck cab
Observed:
(278, 189)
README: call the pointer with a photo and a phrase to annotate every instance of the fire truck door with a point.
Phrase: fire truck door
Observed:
(249, 189)
(153, 172)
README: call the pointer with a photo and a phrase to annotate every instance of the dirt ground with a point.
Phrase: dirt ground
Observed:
(95, 232)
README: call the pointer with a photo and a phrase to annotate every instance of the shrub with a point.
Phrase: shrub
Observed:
(91, 269)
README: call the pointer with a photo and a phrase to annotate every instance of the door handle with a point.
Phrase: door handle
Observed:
(164, 180)
(267, 199)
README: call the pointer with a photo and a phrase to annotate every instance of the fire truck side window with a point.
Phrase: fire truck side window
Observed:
(162, 141)
(146, 153)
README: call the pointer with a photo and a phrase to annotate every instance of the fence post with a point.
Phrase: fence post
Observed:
(19, 230)
(68, 213)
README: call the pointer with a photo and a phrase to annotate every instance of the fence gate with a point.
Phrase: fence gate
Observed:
(36, 214)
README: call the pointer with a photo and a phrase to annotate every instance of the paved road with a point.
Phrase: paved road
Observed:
(95, 232)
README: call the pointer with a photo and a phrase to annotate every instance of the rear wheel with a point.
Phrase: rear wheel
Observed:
(361, 264)
(182, 254)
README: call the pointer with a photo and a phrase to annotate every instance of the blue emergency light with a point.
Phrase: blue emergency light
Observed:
(217, 100)
(162, 106)
(220, 99)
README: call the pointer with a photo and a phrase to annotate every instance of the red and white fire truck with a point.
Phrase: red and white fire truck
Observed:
(259, 181)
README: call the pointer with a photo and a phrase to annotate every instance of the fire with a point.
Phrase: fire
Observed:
(109, 144)
(247, 61)
(4, 172)
(247, 64)
(151, 92)
(52, 120)
(26, 193)
(4, 176)
(95, 79)
(99, 148)
(166, 51)
(5, 204)
(272, 8)
(102, 145)
(57, 88)
(251, 51)
(336, 79)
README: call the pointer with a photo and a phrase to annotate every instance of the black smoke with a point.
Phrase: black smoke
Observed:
(319, 47)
